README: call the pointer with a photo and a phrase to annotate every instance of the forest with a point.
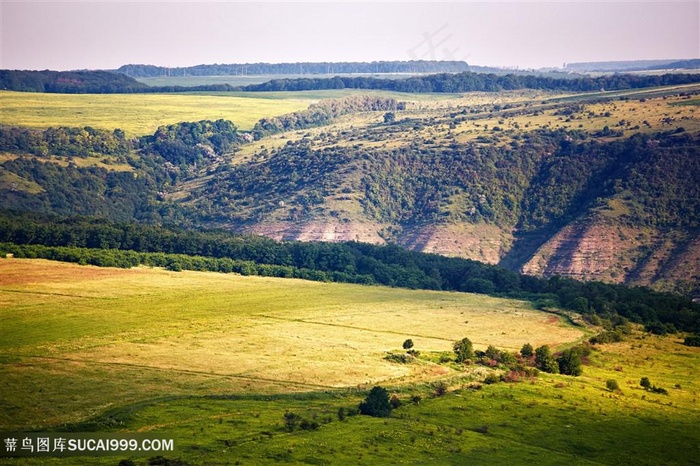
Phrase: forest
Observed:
(105, 82)
(412, 66)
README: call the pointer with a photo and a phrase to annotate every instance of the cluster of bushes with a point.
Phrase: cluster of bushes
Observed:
(527, 362)
(323, 113)
(648, 386)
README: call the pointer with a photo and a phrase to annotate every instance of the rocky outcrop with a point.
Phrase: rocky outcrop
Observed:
(595, 249)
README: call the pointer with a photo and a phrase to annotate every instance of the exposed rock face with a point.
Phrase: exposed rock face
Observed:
(590, 248)
(485, 243)
(319, 231)
(594, 249)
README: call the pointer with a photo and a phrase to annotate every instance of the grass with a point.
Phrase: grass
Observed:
(214, 361)
(96, 330)
(138, 114)
(141, 114)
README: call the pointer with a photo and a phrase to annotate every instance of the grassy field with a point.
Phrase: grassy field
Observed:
(215, 333)
(214, 361)
(139, 114)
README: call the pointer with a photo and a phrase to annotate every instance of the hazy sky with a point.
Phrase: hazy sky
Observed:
(100, 34)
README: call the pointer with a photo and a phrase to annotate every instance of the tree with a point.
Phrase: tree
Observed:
(463, 349)
(389, 117)
(408, 344)
(545, 361)
(612, 385)
(645, 383)
(570, 362)
(377, 403)
(526, 351)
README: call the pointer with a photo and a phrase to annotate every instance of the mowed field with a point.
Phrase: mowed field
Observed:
(78, 339)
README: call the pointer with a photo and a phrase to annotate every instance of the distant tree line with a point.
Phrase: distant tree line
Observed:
(356, 263)
(472, 82)
(242, 69)
(69, 82)
(103, 82)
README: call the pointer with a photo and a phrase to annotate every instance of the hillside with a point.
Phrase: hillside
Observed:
(594, 186)
(616, 204)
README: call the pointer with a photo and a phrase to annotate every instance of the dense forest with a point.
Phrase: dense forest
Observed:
(112, 82)
(74, 238)
(69, 82)
(242, 69)
(121, 178)
(473, 82)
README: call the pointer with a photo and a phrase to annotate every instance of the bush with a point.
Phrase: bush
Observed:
(545, 361)
(440, 388)
(692, 340)
(408, 344)
(395, 402)
(491, 379)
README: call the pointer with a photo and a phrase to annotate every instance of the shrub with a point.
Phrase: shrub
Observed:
(545, 361)
(395, 402)
(645, 383)
(440, 388)
(408, 344)
(692, 340)
(291, 421)
(491, 379)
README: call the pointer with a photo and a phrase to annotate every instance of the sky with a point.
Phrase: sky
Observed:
(526, 34)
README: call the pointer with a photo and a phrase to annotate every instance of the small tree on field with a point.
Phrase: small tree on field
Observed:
(463, 349)
(377, 403)
(526, 351)
(612, 385)
(408, 344)
(645, 383)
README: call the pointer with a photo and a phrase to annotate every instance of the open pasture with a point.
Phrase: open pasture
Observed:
(95, 338)
(139, 114)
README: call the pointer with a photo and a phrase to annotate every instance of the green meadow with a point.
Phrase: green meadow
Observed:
(214, 361)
